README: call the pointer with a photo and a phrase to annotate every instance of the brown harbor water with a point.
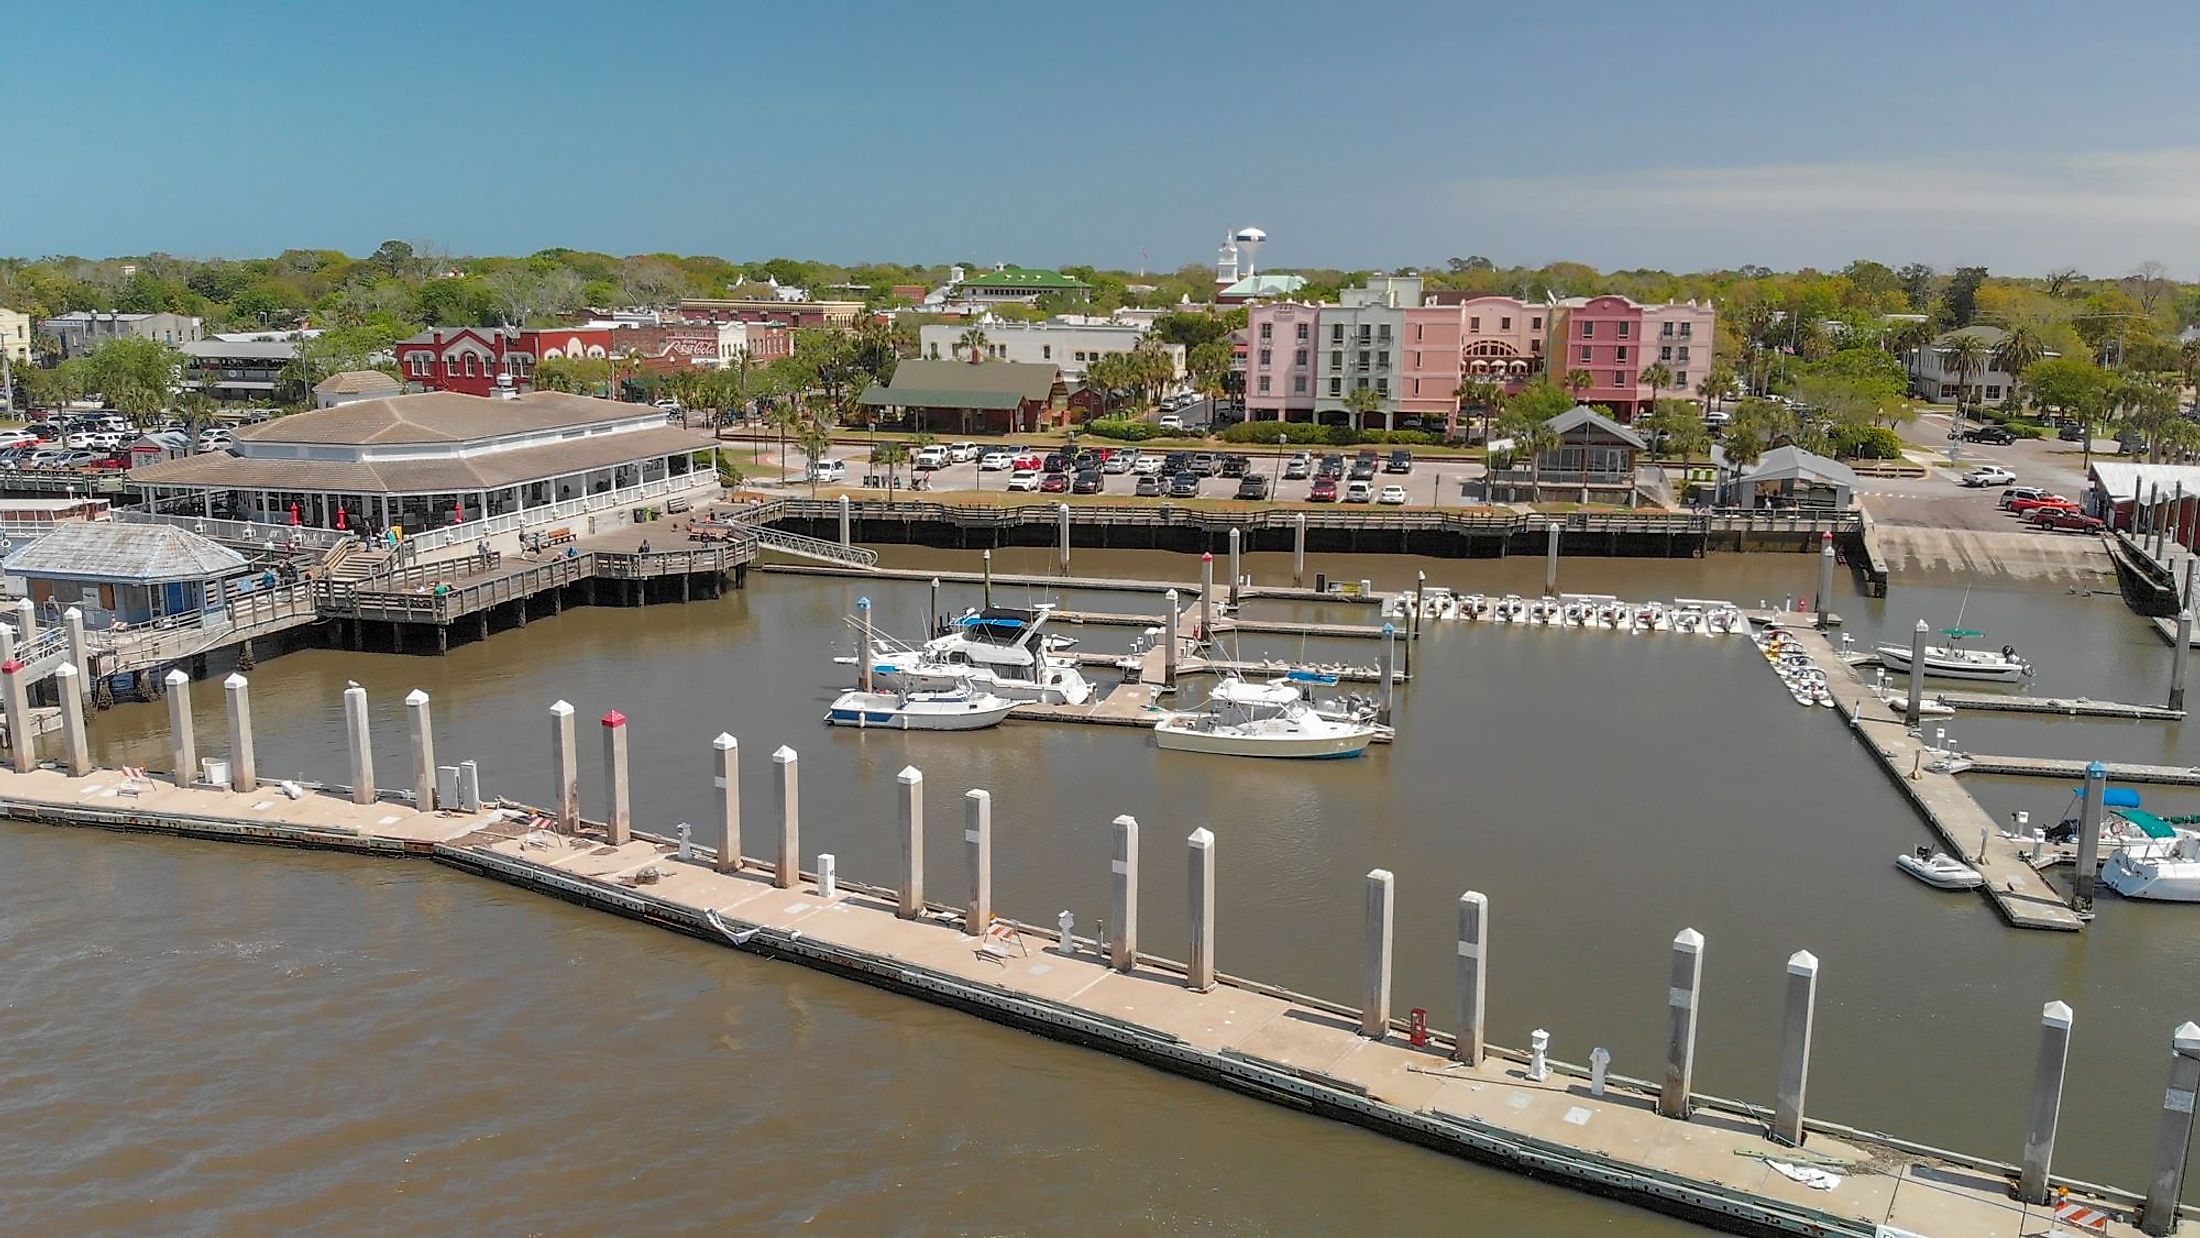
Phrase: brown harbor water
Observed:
(199, 1037)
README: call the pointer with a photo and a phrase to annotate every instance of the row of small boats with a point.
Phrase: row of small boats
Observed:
(1570, 611)
(986, 663)
(1805, 679)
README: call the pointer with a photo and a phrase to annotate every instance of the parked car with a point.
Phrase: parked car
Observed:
(2067, 519)
(2021, 506)
(1992, 436)
(1324, 490)
(1030, 460)
(1054, 483)
(1363, 469)
(1252, 486)
(45, 458)
(1147, 466)
(1184, 486)
(1332, 465)
(829, 470)
(1170, 421)
(2034, 515)
(16, 438)
(1393, 495)
(2013, 493)
(1989, 475)
(1177, 462)
(1359, 492)
(929, 458)
(962, 453)
(996, 461)
(1024, 479)
(1091, 481)
(1055, 462)
(1299, 467)
(1203, 464)
(1233, 465)
(1401, 461)
(1150, 487)
(2072, 432)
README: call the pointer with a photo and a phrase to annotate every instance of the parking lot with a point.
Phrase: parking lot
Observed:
(1202, 474)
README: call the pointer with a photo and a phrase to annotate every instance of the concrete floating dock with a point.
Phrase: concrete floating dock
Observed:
(2059, 767)
(1595, 1130)
(2067, 707)
(2024, 897)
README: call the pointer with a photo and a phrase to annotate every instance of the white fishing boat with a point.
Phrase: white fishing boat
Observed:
(1725, 619)
(1511, 608)
(957, 709)
(1688, 619)
(1543, 611)
(1939, 870)
(1438, 602)
(1952, 661)
(2164, 866)
(1474, 606)
(1001, 651)
(1651, 617)
(1295, 687)
(1238, 728)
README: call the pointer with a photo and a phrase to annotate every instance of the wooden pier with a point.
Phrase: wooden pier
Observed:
(2063, 707)
(2060, 767)
(1552, 1120)
(2024, 897)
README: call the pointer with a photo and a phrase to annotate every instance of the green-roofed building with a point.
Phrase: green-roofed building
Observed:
(1025, 284)
(992, 397)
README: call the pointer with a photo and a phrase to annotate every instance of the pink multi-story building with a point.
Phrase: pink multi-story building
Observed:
(1613, 339)
(1279, 361)
(1502, 339)
(1428, 379)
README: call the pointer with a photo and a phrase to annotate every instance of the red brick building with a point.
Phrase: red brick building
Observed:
(470, 359)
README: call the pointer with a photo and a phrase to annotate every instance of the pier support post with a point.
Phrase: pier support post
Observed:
(1914, 704)
(1207, 595)
(1199, 977)
(1375, 987)
(2174, 1142)
(932, 611)
(22, 745)
(1298, 548)
(362, 745)
(1061, 534)
(846, 523)
(1825, 578)
(787, 864)
(728, 781)
(978, 860)
(618, 820)
(2047, 1090)
(863, 643)
(912, 843)
(1680, 1042)
(1802, 1006)
(183, 745)
(2185, 597)
(1168, 641)
(1123, 942)
(420, 726)
(80, 648)
(1237, 569)
(2179, 656)
(1600, 1065)
(244, 774)
(26, 622)
(1390, 670)
(1550, 556)
(76, 750)
(988, 577)
(1474, 937)
(566, 761)
(2089, 839)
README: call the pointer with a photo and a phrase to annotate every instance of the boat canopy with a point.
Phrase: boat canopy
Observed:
(2149, 824)
(2113, 797)
(1314, 677)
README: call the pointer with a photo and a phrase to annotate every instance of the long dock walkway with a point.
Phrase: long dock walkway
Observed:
(1716, 1166)
(2066, 707)
(2018, 891)
(2062, 767)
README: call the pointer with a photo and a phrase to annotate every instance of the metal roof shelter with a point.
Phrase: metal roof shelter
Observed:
(126, 573)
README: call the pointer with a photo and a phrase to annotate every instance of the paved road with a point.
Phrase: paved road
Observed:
(1938, 501)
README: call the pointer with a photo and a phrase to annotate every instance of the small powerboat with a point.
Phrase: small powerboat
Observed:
(1511, 609)
(1939, 870)
(958, 709)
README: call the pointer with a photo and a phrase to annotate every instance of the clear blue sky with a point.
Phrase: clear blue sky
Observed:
(2021, 135)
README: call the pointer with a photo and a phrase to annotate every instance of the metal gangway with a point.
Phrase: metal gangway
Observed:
(815, 548)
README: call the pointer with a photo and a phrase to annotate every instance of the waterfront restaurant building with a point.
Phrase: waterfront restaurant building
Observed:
(427, 461)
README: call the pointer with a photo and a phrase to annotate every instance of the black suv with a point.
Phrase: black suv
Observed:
(1235, 466)
(1992, 436)
(1401, 461)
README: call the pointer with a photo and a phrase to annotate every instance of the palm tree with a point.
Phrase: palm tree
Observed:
(813, 442)
(1488, 396)
(1717, 385)
(974, 339)
(1359, 402)
(1659, 376)
(2188, 364)
(1578, 381)
(624, 367)
(1532, 437)
(2016, 352)
(1965, 356)
(785, 416)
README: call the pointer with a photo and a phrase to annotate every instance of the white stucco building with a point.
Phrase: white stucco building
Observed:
(1070, 342)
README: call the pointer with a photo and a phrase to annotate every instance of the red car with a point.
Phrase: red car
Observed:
(2064, 518)
(1323, 491)
(2021, 506)
(1054, 483)
(1029, 460)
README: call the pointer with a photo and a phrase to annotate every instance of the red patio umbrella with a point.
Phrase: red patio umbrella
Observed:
(294, 513)
(341, 513)
(458, 514)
